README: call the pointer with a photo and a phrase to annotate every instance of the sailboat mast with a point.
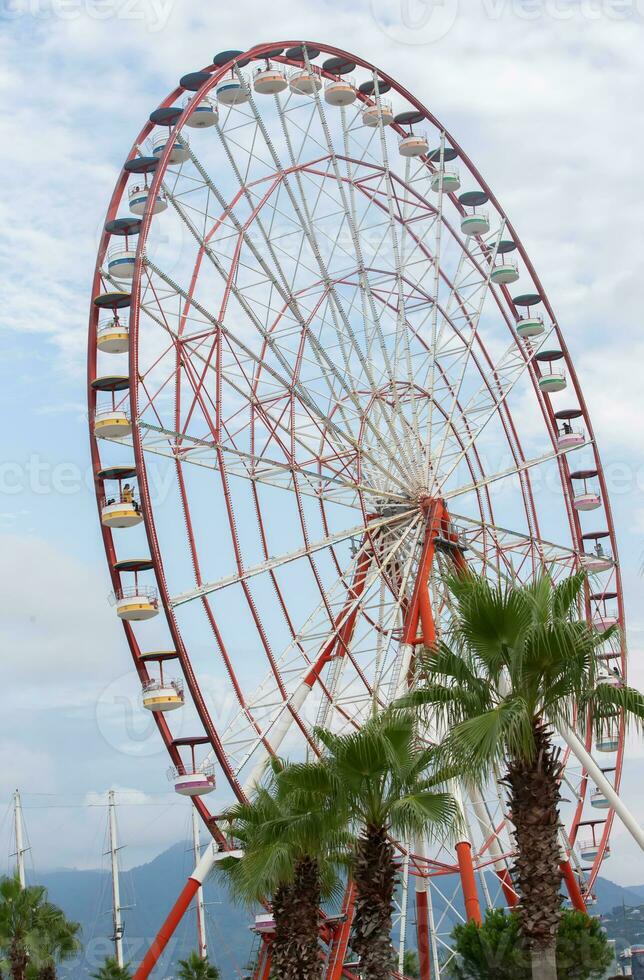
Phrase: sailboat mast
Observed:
(116, 893)
(20, 838)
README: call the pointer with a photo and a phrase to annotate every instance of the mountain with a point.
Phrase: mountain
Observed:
(149, 891)
(609, 895)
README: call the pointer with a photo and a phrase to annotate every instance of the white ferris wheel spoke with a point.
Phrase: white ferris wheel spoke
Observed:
(273, 563)
(312, 637)
(283, 382)
(283, 287)
(303, 212)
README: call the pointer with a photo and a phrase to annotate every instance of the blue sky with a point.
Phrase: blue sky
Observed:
(545, 97)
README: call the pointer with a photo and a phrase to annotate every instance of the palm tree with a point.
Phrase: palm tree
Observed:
(59, 940)
(518, 664)
(110, 970)
(383, 779)
(411, 966)
(34, 933)
(197, 968)
(291, 853)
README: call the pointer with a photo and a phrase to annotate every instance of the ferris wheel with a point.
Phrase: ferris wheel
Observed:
(323, 373)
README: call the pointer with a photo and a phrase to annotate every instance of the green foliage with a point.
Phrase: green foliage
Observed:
(196, 968)
(35, 935)
(292, 852)
(380, 776)
(411, 966)
(495, 951)
(513, 655)
(276, 829)
(384, 780)
(110, 970)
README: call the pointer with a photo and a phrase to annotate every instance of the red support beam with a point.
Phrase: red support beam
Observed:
(468, 882)
(422, 934)
(572, 886)
(338, 952)
(153, 955)
(511, 896)
(263, 969)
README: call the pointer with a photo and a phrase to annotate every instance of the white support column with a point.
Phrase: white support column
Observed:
(433, 940)
(116, 893)
(199, 902)
(20, 844)
(487, 829)
(277, 734)
(579, 750)
(403, 913)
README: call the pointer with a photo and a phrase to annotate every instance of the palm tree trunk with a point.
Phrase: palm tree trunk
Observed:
(296, 950)
(544, 963)
(17, 959)
(534, 801)
(374, 875)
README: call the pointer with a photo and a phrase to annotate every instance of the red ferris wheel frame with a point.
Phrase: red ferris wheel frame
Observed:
(215, 74)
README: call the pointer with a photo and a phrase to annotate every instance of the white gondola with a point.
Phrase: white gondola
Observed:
(449, 180)
(570, 437)
(340, 92)
(120, 511)
(121, 260)
(204, 114)
(613, 680)
(112, 423)
(598, 799)
(604, 621)
(232, 91)
(264, 922)
(138, 199)
(552, 381)
(137, 603)
(608, 740)
(589, 851)
(505, 273)
(596, 563)
(382, 112)
(113, 336)
(179, 152)
(586, 500)
(305, 82)
(530, 326)
(269, 81)
(475, 224)
(197, 782)
(162, 697)
(413, 145)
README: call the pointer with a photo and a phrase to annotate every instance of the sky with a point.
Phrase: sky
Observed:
(545, 97)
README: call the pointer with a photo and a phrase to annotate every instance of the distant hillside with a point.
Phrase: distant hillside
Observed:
(151, 888)
(610, 895)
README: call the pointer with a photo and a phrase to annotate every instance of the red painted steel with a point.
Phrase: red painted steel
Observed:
(468, 882)
(572, 886)
(155, 951)
(422, 933)
(338, 951)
